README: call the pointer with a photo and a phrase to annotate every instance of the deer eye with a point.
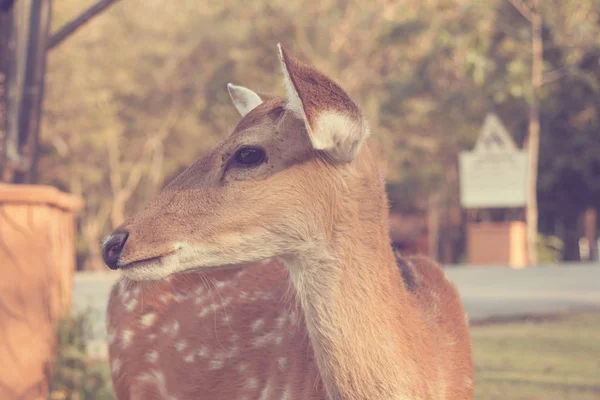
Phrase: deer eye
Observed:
(276, 113)
(250, 156)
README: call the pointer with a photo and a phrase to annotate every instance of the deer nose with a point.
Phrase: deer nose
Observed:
(112, 249)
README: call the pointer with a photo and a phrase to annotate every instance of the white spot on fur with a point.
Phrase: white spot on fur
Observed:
(293, 318)
(262, 341)
(281, 320)
(131, 305)
(122, 287)
(242, 367)
(189, 358)
(152, 356)
(265, 394)
(180, 345)
(216, 364)
(233, 352)
(115, 366)
(172, 328)
(256, 325)
(147, 320)
(204, 312)
(220, 284)
(125, 295)
(152, 336)
(203, 351)
(180, 297)
(164, 298)
(158, 378)
(126, 336)
(282, 361)
(252, 383)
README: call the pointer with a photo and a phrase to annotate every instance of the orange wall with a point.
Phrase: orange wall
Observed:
(37, 260)
(497, 243)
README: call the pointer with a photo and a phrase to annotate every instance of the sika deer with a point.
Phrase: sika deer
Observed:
(296, 183)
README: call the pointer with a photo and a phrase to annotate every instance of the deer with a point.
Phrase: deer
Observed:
(265, 270)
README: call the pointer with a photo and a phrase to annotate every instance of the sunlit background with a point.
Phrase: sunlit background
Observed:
(459, 94)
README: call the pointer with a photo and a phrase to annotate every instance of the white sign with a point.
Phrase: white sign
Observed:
(494, 174)
(494, 138)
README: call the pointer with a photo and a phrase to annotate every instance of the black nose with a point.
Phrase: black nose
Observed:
(113, 247)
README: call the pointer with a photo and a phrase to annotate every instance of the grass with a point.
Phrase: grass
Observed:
(552, 360)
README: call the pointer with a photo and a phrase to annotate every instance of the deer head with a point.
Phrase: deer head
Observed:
(275, 187)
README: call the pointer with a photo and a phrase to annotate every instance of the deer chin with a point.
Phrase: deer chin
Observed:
(151, 269)
(190, 259)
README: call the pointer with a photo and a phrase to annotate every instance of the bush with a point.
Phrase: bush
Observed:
(77, 376)
(549, 249)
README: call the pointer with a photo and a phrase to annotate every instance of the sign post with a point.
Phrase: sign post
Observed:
(494, 176)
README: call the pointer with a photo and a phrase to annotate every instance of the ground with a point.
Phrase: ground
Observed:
(556, 359)
(550, 358)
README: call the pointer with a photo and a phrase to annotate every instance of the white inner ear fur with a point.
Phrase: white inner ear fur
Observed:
(333, 132)
(244, 99)
(339, 135)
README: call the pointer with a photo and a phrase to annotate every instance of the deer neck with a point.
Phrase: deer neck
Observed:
(358, 313)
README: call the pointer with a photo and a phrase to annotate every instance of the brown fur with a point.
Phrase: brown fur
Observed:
(324, 215)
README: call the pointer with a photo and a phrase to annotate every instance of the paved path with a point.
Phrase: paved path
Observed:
(490, 291)
(485, 291)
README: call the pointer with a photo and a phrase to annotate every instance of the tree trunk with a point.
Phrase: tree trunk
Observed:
(590, 228)
(433, 226)
(25, 88)
(533, 139)
(570, 237)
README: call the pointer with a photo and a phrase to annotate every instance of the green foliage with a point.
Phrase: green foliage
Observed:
(140, 92)
(77, 377)
(549, 249)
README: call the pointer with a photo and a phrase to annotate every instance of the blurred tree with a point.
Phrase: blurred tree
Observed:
(141, 92)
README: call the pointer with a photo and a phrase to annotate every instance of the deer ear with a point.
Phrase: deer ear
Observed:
(334, 122)
(244, 99)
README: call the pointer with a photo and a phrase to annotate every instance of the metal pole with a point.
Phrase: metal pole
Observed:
(33, 48)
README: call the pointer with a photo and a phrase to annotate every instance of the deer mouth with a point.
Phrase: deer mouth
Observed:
(148, 261)
(212, 268)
